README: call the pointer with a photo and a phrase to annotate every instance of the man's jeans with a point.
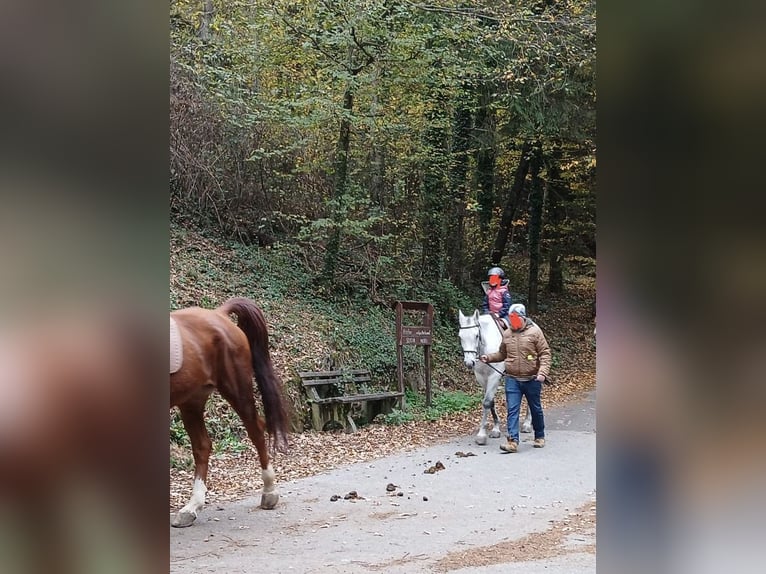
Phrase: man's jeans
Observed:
(514, 390)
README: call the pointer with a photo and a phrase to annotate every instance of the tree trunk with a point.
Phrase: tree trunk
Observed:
(535, 225)
(556, 273)
(485, 158)
(555, 216)
(455, 248)
(205, 19)
(377, 156)
(506, 221)
(377, 177)
(434, 202)
(339, 190)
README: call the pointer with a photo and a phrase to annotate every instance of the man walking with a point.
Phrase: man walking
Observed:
(527, 357)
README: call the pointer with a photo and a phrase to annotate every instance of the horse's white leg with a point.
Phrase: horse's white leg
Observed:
(526, 426)
(488, 403)
(481, 436)
(270, 495)
(188, 514)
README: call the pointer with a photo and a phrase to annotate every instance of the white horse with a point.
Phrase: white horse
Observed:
(479, 335)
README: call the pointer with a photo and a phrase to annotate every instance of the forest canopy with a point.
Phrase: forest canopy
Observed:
(390, 143)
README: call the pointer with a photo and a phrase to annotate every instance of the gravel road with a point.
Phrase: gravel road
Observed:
(487, 512)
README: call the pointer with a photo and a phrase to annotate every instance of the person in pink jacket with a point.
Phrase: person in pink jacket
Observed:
(497, 298)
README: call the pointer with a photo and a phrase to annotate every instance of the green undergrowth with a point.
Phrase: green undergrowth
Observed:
(311, 332)
(442, 403)
(308, 332)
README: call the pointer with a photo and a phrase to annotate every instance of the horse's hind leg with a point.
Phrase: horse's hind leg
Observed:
(243, 404)
(192, 416)
(526, 426)
(270, 494)
(495, 432)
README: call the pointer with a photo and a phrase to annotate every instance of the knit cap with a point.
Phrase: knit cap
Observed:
(518, 308)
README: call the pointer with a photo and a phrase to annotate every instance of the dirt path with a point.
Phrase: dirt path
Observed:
(530, 512)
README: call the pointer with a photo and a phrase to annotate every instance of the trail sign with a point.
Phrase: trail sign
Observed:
(420, 335)
(415, 335)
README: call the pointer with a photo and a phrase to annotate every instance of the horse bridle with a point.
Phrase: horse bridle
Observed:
(476, 351)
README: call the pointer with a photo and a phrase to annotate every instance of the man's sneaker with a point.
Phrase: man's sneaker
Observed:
(510, 446)
(539, 443)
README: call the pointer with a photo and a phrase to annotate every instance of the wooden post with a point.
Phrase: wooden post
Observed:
(429, 320)
(399, 353)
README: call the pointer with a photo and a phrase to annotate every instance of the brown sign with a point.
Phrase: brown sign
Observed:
(415, 335)
(420, 334)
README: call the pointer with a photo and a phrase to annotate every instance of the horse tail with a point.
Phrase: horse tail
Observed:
(251, 321)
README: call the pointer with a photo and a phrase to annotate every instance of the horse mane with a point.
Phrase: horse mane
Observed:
(251, 321)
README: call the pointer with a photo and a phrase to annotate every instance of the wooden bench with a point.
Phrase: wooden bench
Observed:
(333, 394)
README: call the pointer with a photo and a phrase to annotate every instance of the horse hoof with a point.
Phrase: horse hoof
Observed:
(494, 434)
(183, 519)
(482, 439)
(269, 500)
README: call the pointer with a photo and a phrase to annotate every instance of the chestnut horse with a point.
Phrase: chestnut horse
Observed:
(220, 355)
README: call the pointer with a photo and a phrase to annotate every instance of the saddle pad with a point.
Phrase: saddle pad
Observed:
(176, 347)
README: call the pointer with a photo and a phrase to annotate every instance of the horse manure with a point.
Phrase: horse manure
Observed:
(390, 487)
(400, 493)
(351, 495)
(462, 454)
(434, 468)
(334, 497)
(425, 499)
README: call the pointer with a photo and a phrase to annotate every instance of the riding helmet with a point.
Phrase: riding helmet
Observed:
(496, 271)
(496, 276)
